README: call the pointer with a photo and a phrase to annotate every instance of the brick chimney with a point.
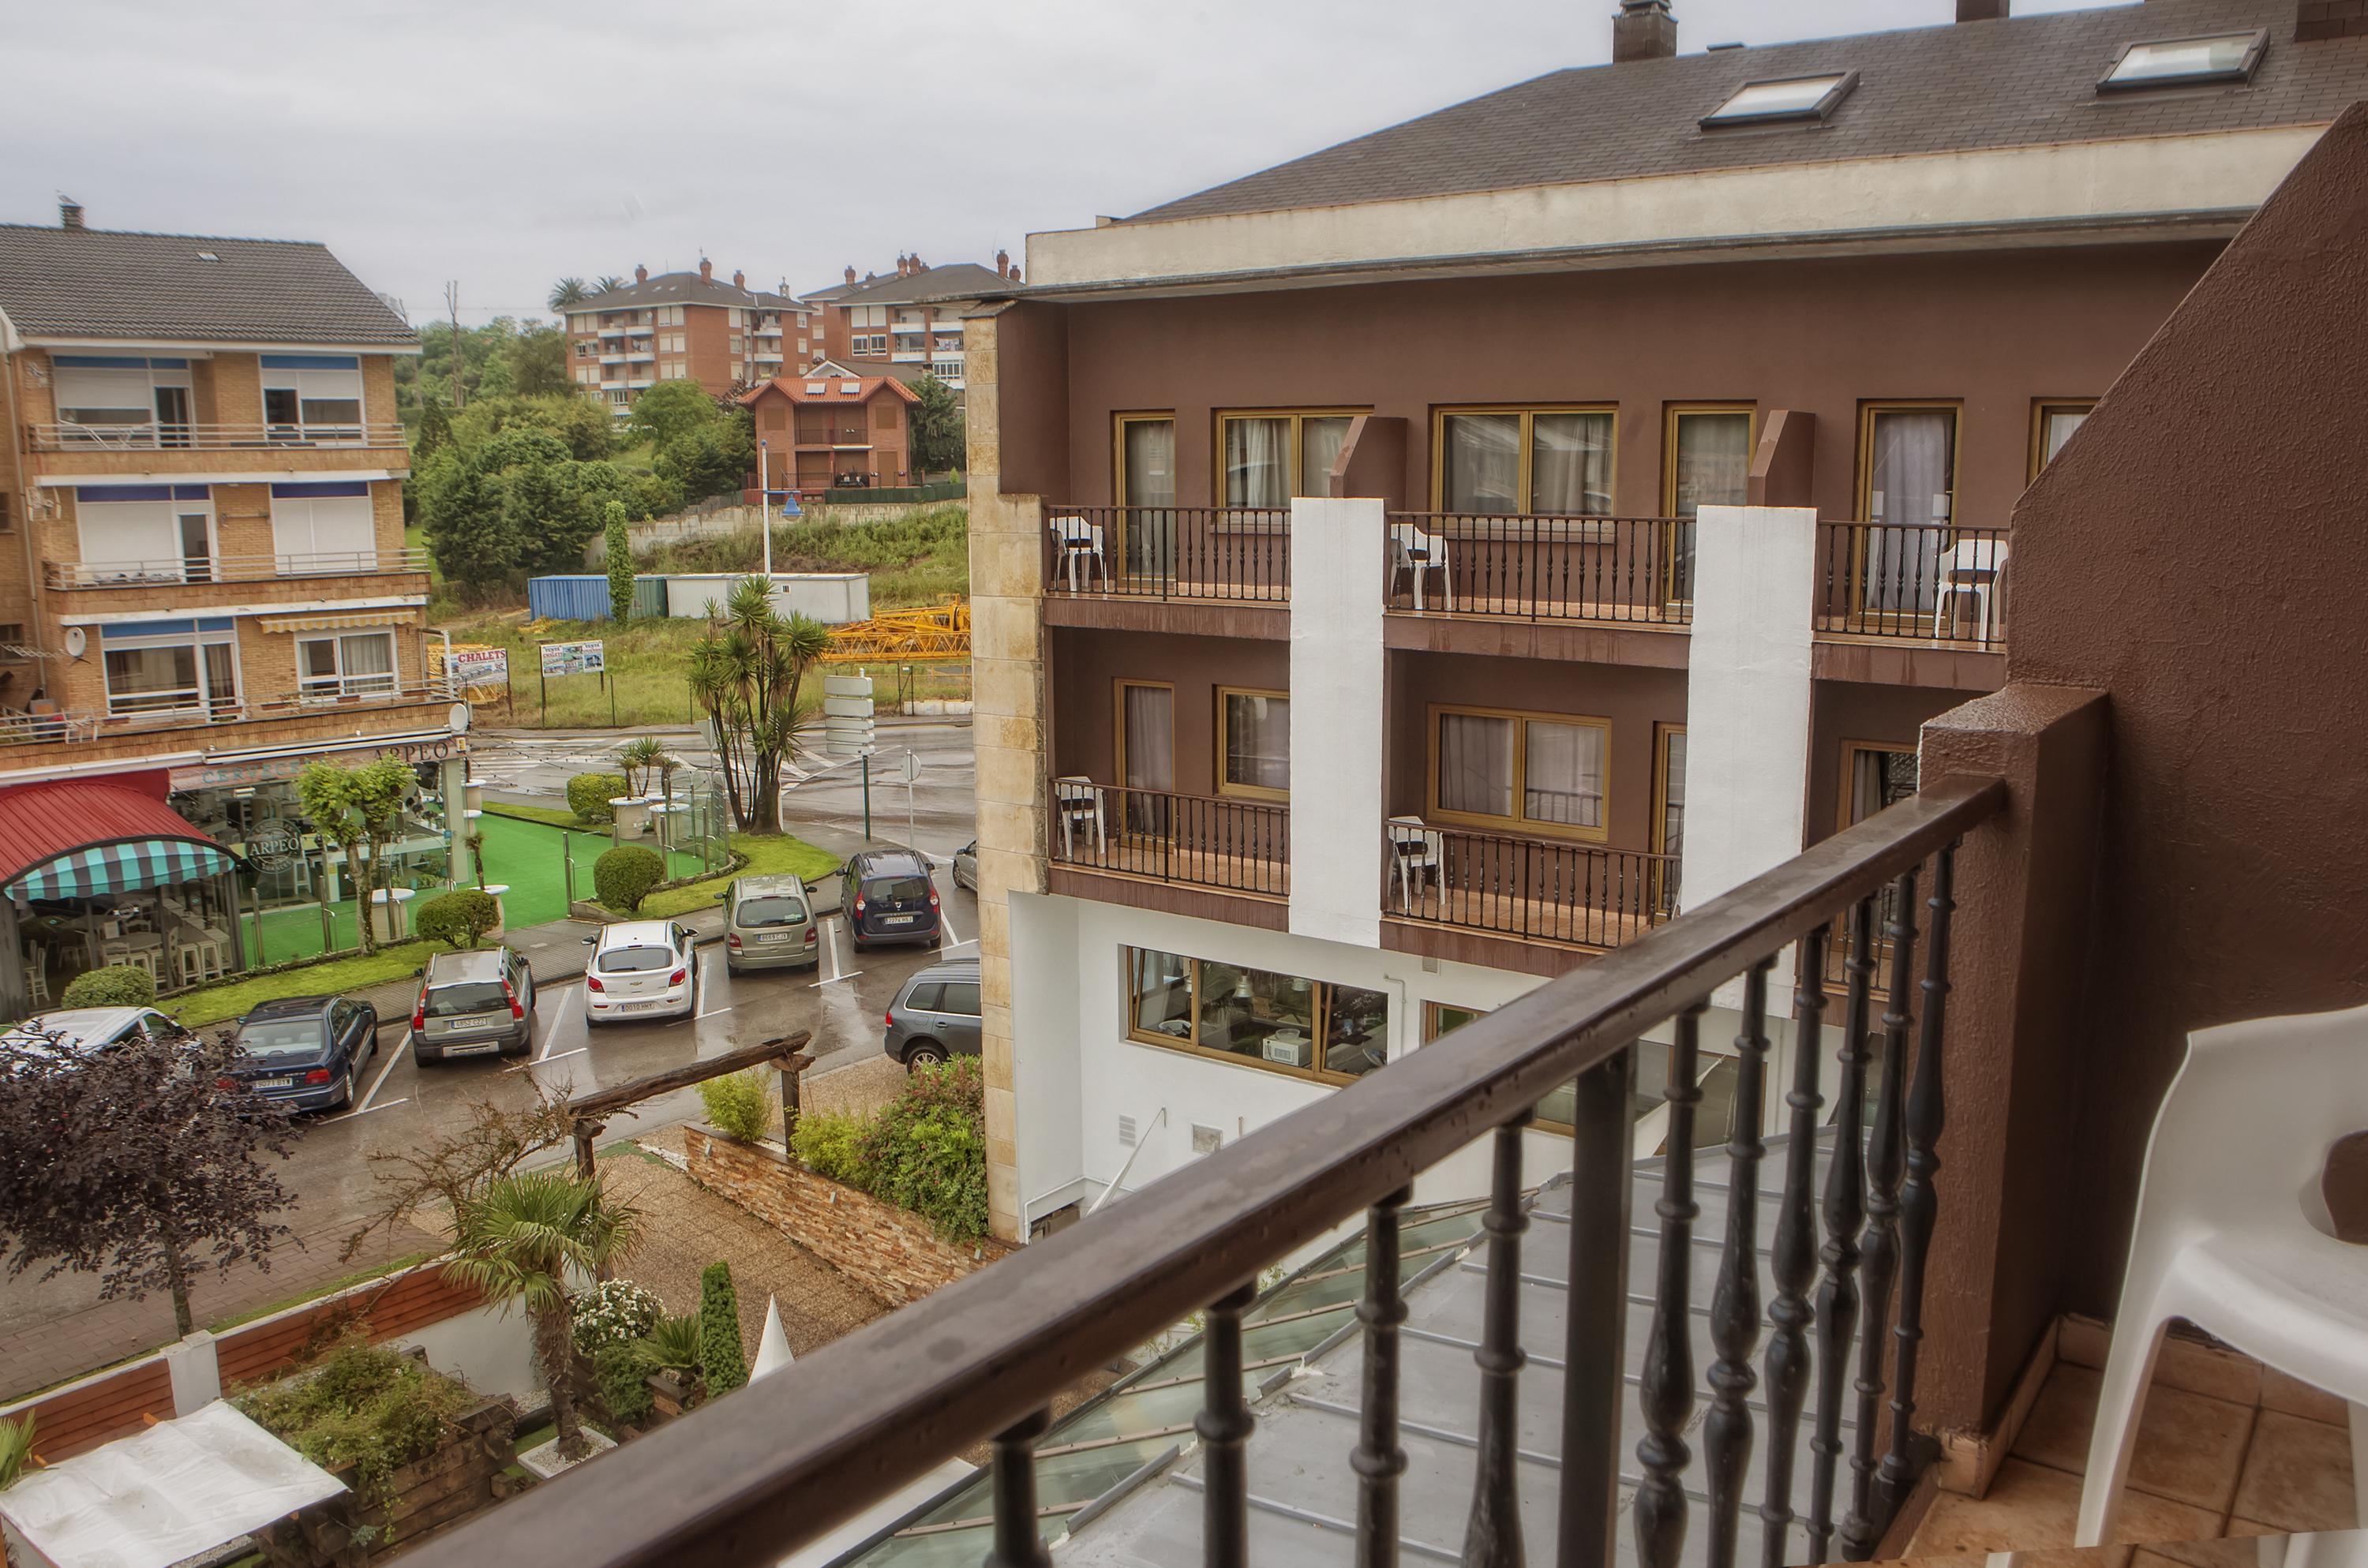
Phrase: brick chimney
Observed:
(903, 264)
(740, 280)
(641, 273)
(706, 270)
(1982, 10)
(1003, 263)
(1642, 31)
(2314, 19)
(1015, 275)
(69, 212)
(851, 275)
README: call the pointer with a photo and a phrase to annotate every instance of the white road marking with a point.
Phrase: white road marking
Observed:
(562, 1055)
(707, 979)
(363, 1110)
(830, 945)
(380, 1079)
(550, 1029)
(946, 938)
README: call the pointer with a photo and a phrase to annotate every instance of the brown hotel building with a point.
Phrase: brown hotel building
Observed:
(1409, 570)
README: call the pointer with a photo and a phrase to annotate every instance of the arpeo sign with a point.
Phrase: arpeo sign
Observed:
(269, 769)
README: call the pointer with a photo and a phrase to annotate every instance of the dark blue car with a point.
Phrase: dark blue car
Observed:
(306, 1052)
(887, 896)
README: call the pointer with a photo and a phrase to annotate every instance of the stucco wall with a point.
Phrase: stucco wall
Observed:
(1337, 728)
(2197, 550)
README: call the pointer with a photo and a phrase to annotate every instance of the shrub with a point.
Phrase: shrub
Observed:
(830, 1143)
(373, 1408)
(16, 1448)
(461, 918)
(740, 1105)
(117, 985)
(722, 1365)
(927, 1150)
(588, 795)
(622, 1373)
(624, 876)
(614, 1312)
(672, 1346)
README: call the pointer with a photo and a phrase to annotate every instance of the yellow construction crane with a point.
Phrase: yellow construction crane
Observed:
(939, 631)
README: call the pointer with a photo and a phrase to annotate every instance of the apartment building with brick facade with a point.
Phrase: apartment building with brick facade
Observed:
(909, 320)
(203, 578)
(685, 326)
(1418, 568)
(832, 428)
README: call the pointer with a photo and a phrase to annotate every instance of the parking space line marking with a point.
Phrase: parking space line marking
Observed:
(380, 1079)
(946, 923)
(550, 1029)
(835, 973)
(562, 1056)
(363, 1110)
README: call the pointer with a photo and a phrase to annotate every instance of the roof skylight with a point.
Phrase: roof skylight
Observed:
(1791, 97)
(2161, 63)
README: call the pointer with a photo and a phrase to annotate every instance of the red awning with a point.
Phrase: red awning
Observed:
(43, 823)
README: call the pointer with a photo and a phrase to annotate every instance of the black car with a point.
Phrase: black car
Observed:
(306, 1052)
(887, 896)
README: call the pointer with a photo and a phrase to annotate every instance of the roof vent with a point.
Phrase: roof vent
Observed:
(850, 387)
(69, 212)
(1642, 31)
(208, 255)
(1982, 10)
(1722, 48)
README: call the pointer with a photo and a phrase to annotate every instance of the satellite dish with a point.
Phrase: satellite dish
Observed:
(76, 641)
(457, 721)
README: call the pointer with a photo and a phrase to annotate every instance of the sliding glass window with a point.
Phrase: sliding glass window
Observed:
(1527, 462)
(1519, 772)
(1266, 457)
(1253, 742)
(1309, 1029)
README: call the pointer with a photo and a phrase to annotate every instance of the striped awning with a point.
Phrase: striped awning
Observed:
(137, 863)
(340, 622)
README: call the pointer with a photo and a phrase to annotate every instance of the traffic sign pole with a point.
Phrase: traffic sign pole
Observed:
(867, 795)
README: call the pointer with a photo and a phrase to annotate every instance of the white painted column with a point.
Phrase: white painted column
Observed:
(195, 1371)
(1748, 701)
(1336, 719)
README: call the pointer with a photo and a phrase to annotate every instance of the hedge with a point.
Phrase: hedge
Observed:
(588, 795)
(461, 918)
(117, 985)
(926, 1152)
(624, 876)
(723, 1364)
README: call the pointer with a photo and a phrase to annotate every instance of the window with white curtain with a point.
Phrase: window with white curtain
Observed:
(1547, 462)
(312, 397)
(1269, 458)
(2054, 423)
(323, 528)
(1254, 729)
(1519, 770)
(164, 666)
(1146, 461)
(359, 664)
(1708, 457)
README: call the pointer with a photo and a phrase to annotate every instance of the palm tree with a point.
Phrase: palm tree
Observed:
(638, 758)
(748, 676)
(607, 283)
(518, 1240)
(568, 291)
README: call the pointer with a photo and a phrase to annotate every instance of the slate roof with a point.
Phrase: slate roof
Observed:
(59, 282)
(2024, 81)
(683, 289)
(956, 280)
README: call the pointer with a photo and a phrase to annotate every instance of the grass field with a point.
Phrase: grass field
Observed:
(767, 853)
(217, 1002)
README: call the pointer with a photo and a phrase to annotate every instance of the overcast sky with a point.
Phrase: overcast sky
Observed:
(506, 143)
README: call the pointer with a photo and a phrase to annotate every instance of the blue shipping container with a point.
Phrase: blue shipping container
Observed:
(568, 598)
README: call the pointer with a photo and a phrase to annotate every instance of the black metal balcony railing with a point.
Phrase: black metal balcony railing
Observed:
(1620, 570)
(1169, 553)
(1539, 890)
(1920, 581)
(781, 1461)
(1208, 841)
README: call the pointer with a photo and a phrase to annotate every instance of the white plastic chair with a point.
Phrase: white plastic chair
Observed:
(2233, 1232)
(1077, 798)
(1974, 566)
(1416, 553)
(1081, 538)
(1416, 851)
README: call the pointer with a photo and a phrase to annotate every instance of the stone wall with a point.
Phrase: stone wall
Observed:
(891, 1253)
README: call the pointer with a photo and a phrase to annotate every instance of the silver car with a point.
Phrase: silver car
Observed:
(768, 923)
(641, 969)
(474, 1004)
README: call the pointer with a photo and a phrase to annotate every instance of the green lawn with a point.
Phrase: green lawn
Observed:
(767, 855)
(549, 816)
(215, 1002)
(535, 859)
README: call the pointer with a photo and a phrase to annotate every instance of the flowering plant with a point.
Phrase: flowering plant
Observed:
(614, 1312)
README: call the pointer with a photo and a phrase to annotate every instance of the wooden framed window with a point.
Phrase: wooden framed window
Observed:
(1875, 773)
(1281, 1023)
(1706, 456)
(1146, 736)
(1266, 456)
(1253, 742)
(2052, 424)
(1519, 772)
(1547, 462)
(1668, 812)
(1440, 1019)
(1907, 460)
(1143, 461)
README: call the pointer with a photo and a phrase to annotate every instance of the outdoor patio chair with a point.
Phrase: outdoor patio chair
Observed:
(1415, 852)
(1078, 800)
(2233, 1234)
(1415, 553)
(1079, 539)
(37, 978)
(1975, 567)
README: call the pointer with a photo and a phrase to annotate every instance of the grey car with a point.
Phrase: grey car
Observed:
(966, 866)
(768, 923)
(936, 1015)
(474, 1004)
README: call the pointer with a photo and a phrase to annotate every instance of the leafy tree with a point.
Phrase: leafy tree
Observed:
(538, 363)
(568, 291)
(446, 1173)
(518, 1240)
(461, 918)
(620, 562)
(706, 459)
(586, 431)
(608, 283)
(723, 1362)
(639, 759)
(622, 876)
(748, 677)
(142, 1162)
(672, 409)
(361, 811)
(936, 427)
(434, 430)
(460, 507)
